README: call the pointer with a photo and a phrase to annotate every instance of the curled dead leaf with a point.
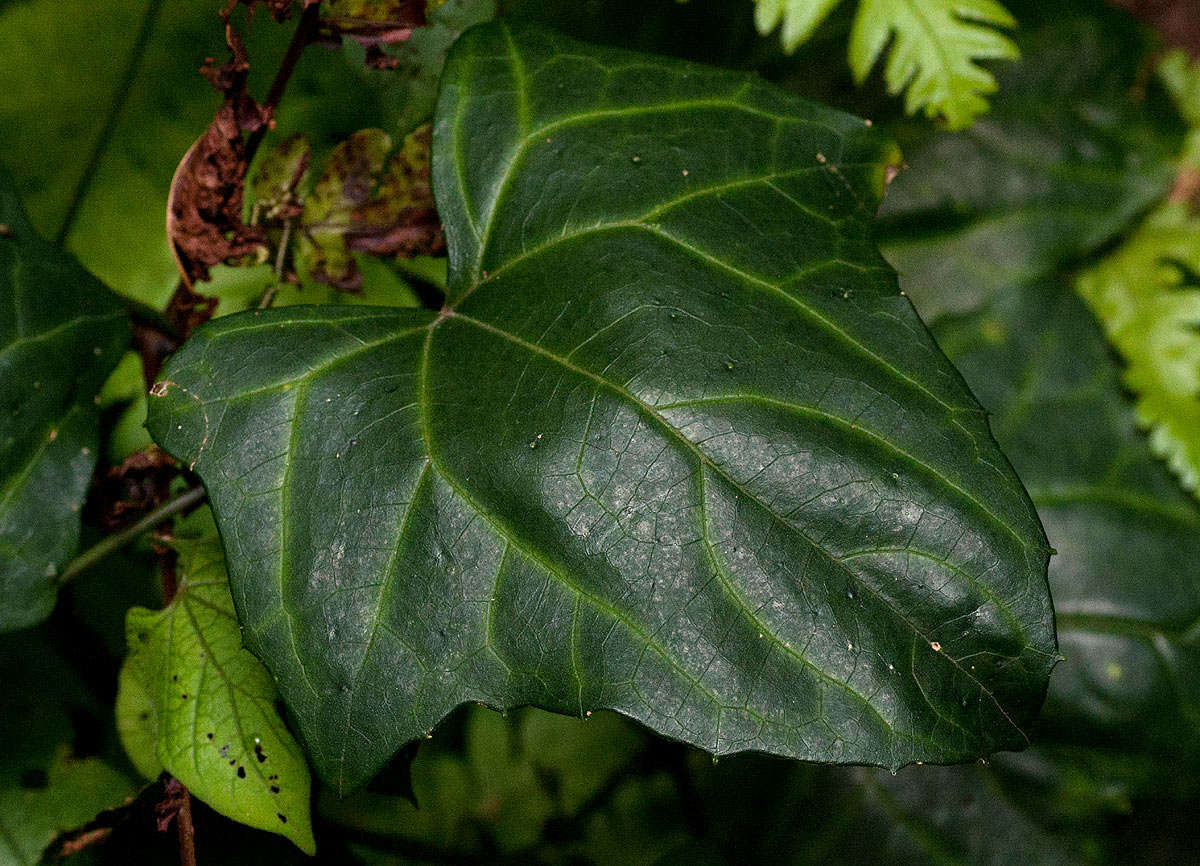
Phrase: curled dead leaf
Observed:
(204, 207)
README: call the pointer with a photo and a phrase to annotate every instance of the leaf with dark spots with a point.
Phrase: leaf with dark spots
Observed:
(276, 185)
(346, 182)
(400, 219)
(188, 685)
(204, 208)
(676, 445)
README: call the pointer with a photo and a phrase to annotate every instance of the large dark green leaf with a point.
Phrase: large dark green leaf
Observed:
(61, 333)
(1072, 151)
(676, 445)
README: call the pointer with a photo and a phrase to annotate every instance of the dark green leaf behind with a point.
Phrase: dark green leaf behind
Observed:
(61, 333)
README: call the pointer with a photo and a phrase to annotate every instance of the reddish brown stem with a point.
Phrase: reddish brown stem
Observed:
(305, 31)
(187, 831)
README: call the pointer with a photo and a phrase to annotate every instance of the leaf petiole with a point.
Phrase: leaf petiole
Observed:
(112, 543)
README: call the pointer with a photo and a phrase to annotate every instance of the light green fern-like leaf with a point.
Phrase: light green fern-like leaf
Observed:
(936, 46)
(799, 18)
(1147, 296)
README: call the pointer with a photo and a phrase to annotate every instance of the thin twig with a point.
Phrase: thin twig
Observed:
(115, 106)
(268, 297)
(310, 18)
(116, 541)
(187, 831)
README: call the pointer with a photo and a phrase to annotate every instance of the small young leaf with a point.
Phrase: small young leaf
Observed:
(61, 334)
(1147, 295)
(208, 706)
(676, 445)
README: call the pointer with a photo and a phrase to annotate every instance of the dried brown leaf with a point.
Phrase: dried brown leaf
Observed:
(204, 208)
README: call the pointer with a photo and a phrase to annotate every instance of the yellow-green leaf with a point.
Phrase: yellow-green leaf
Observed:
(798, 19)
(208, 706)
(934, 52)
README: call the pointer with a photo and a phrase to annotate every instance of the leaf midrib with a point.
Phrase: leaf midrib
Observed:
(512, 538)
(509, 536)
(703, 460)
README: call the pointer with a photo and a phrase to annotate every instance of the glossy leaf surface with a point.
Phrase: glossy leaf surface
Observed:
(61, 333)
(195, 703)
(676, 446)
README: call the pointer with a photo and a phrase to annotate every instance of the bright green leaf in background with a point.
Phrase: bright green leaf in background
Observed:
(195, 703)
(1147, 295)
(61, 333)
(66, 63)
(933, 47)
(677, 445)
